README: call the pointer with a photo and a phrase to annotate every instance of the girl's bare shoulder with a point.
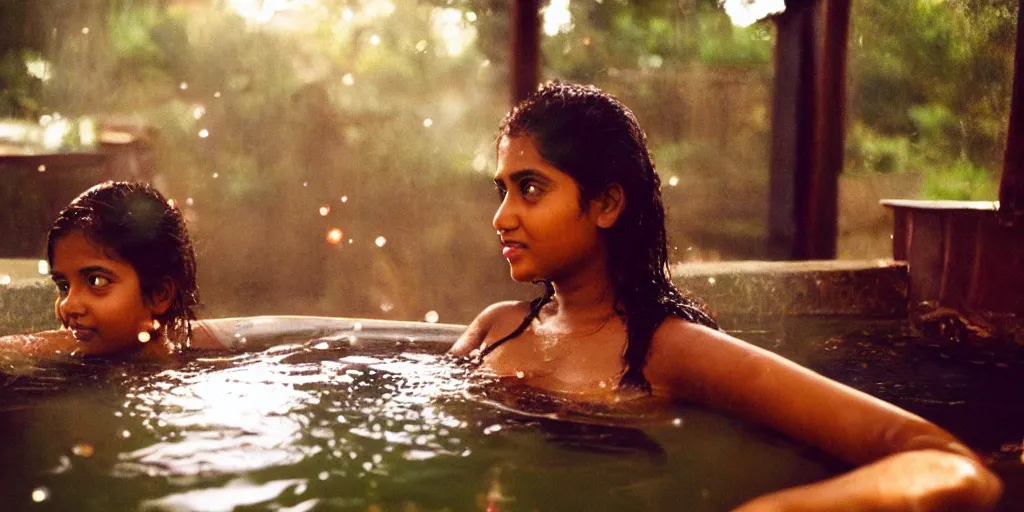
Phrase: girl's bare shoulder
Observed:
(493, 318)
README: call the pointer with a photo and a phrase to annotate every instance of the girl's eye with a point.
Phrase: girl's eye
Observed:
(501, 193)
(98, 281)
(529, 189)
(62, 287)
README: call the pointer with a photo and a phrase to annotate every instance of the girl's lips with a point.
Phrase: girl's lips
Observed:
(511, 250)
(83, 334)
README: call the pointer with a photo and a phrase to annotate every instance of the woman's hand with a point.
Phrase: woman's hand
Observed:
(919, 481)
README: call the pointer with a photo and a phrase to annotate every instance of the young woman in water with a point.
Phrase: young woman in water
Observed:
(580, 210)
(122, 259)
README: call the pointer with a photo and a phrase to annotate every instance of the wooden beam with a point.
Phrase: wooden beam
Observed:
(525, 48)
(1011, 186)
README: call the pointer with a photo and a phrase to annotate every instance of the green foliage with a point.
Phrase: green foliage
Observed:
(963, 180)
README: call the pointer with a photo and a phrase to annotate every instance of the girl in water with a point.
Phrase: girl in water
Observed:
(122, 259)
(580, 210)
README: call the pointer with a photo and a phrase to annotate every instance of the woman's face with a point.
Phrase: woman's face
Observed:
(100, 298)
(544, 232)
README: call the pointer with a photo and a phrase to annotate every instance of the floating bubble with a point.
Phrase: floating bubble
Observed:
(144, 337)
(189, 201)
(711, 280)
(41, 168)
(198, 111)
(183, 86)
(678, 422)
(421, 45)
(156, 324)
(492, 429)
(348, 79)
(40, 494)
(323, 475)
(346, 14)
(85, 31)
(431, 316)
(386, 306)
(344, 199)
(43, 267)
(375, 40)
(358, 326)
(85, 450)
(673, 181)
(471, 16)
(305, 183)
(216, 94)
(380, 241)
(5, 279)
(126, 434)
(216, 175)
(520, 374)
(334, 236)
(204, 133)
(428, 122)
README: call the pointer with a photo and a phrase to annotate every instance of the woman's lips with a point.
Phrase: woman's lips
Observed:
(511, 250)
(83, 334)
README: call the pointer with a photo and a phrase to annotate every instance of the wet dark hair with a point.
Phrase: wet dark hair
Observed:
(136, 223)
(595, 139)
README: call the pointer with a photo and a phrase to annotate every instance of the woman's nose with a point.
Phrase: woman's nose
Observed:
(72, 304)
(505, 219)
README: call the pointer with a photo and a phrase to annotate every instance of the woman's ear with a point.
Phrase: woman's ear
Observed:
(162, 297)
(610, 205)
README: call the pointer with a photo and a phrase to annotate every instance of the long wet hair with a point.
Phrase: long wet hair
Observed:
(136, 223)
(595, 139)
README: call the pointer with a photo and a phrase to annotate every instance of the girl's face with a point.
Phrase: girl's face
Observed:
(100, 297)
(544, 232)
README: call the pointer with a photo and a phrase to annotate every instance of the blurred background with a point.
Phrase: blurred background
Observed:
(334, 157)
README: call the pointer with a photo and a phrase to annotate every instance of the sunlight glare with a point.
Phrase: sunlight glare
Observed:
(744, 13)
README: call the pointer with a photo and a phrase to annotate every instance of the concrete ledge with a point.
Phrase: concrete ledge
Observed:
(755, 289)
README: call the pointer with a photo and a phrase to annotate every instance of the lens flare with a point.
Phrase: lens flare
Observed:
(334, 236)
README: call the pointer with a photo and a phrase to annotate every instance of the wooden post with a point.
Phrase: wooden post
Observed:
(1011, 186)
(808, 125)
(822, 215)
(525, 48)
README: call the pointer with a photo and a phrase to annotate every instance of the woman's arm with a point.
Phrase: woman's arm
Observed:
(476, 333)
(698, 364)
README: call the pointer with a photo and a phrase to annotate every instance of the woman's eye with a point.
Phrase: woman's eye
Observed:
(98, 281)
(529, 189)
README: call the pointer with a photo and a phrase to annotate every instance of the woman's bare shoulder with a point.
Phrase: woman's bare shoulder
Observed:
(493, 316)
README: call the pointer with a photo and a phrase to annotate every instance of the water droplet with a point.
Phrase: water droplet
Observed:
(375, 40)
(144, 337)
(183, 86)
(386, 306)
(41, 168)
(43, 267)
(216, 94)
(85, 31)
(323, 475)
(216, 175)
(299, 489)
(711, 280)
(346, 14)
(673, 181)
(520, 374)
(471, 16)
(428, 122)
(380, 241)
(602, 384)
(334, 236)
(321, 346)
(348, 79)
(377, 458)
(421, 45)
(198, 111)
(678, 422)
(344, 199)
(40, 494)
(492, 429)
(324, 210)
(431, 316)
(5, 279)
(204, 133)
(83, 450)
(305, 183)
(126, 434)
(350, 240)
(189, 201)
(156, 324)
